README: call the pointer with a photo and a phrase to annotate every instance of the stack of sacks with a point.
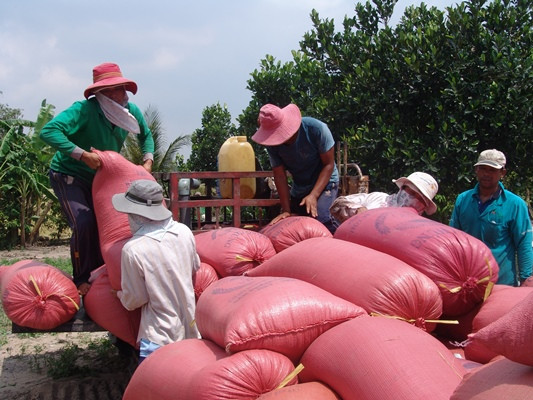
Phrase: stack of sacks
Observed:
(279, 314)
(293, 230)
(114, 176)
(371, 358)
(202, 278)
(107, 311)
(198, 369)
(462, 266)
(233, 251)
(510, 375)
(37, 295)
(375, 281)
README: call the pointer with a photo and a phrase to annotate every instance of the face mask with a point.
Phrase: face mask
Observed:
(404, 199)
(136, 222)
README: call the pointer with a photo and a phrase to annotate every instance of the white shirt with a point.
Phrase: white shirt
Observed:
(157, 266)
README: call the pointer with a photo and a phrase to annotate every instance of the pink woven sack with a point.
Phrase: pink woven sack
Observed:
(371, 358)
(204, 277)
(512, 334)
(279, 314)
(293, 230)
(241, 376)
(233, 251)
(37, 295)
(114, 176)
(462, 266)
(108, 312)
(501, 379)
(501, 300)
(168, 371)
(373, 280)
(301, 391)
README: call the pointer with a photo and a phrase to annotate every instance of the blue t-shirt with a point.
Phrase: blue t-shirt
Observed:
(504, 226)
(302, 158)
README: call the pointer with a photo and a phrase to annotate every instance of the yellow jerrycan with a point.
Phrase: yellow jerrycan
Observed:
(237, 155)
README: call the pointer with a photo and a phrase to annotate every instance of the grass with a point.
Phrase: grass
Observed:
(95, 356)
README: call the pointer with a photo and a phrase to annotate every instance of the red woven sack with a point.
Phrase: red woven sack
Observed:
(500, 379)
(279, 314)
(37, 295)
(114, 176)
(241, 376)
(108, 312)
(205, 276)
(166, 374)
(301, 391)
(233, 251)
(373, 280)
(293, 230)
(512, 334)
(462, 266)
(371, 358)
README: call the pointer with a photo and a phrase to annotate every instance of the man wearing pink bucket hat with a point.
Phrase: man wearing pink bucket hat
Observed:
(102, 121)
(304, 147)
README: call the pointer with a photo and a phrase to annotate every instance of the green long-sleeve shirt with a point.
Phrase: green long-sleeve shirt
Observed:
(84, 126)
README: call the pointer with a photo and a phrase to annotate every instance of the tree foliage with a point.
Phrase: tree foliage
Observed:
(427, 94)
(166, 159)
(207, 140)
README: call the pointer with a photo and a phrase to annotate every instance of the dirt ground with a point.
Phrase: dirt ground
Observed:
(24, 358)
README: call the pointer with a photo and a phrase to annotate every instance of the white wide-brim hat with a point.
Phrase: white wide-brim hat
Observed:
(423, 183)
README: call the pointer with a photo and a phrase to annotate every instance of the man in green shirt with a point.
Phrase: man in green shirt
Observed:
(101, 122)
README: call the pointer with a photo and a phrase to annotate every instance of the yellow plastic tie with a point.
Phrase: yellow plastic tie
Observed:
(32, 279)
(291, 376)
(241, 258)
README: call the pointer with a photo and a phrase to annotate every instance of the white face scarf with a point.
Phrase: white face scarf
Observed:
(117, 114)
(404, 199)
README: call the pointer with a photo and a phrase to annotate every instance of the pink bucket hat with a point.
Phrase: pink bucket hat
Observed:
(108, 75)
(277, 125)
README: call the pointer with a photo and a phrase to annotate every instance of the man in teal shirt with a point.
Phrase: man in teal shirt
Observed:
(497, 217)
(101, 122)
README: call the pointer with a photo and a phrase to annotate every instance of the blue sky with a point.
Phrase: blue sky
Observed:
(184, 55)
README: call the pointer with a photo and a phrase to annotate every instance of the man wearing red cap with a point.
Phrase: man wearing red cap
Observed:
(101, 122)
(305, 148)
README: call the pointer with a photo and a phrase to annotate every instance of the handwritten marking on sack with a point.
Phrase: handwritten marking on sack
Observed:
(252, 285)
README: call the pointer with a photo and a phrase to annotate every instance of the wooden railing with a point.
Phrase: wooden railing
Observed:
(236, 202)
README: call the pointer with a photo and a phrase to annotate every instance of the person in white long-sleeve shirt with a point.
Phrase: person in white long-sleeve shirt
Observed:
(157, 267)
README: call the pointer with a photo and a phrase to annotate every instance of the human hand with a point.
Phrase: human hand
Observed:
(283, 215)
(91, 159)
(310, 203)
(148, 165)
(114, 293)
(84, 288)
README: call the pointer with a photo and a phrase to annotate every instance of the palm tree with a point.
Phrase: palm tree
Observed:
(164, 160)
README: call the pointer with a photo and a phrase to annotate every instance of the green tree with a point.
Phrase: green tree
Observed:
(427, 94)
(166, 159)
(24, 190)
(206, 141)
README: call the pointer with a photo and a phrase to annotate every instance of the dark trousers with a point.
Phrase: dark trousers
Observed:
(76, 201)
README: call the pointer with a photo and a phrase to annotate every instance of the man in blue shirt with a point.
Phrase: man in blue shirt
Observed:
(304, 147)
(497, 217)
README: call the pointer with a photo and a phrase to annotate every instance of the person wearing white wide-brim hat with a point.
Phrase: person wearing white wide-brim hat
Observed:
(416, 190)
(157, 268)
(497, 217)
